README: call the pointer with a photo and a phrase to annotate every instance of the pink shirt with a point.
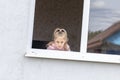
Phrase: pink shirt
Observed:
(53, 47)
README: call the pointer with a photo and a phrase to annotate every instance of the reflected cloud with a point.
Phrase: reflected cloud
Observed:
(100, 19)
(98, 4)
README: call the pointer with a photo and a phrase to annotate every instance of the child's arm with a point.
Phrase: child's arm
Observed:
(50, 46)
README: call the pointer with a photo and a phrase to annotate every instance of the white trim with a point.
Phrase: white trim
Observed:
(31, 23)
(85, 26)
(73, 56)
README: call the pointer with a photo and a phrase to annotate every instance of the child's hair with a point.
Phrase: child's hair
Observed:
(60, 32)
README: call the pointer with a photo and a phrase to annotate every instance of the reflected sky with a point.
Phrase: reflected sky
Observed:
(103, 14)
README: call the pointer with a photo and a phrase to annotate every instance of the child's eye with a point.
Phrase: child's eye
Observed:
(57, 41)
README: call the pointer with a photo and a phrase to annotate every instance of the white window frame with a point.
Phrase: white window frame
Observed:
(83, 55)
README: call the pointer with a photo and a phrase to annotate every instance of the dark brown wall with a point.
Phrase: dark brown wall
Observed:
(50, 14)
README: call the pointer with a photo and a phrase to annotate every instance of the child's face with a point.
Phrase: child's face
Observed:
(59, 42)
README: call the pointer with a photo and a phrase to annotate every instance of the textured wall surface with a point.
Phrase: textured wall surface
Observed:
(14, 66)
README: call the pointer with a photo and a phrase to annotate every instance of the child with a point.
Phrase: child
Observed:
(60, 41)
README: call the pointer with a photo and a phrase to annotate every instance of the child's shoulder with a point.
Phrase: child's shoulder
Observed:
(50, 45)
(67, 47)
